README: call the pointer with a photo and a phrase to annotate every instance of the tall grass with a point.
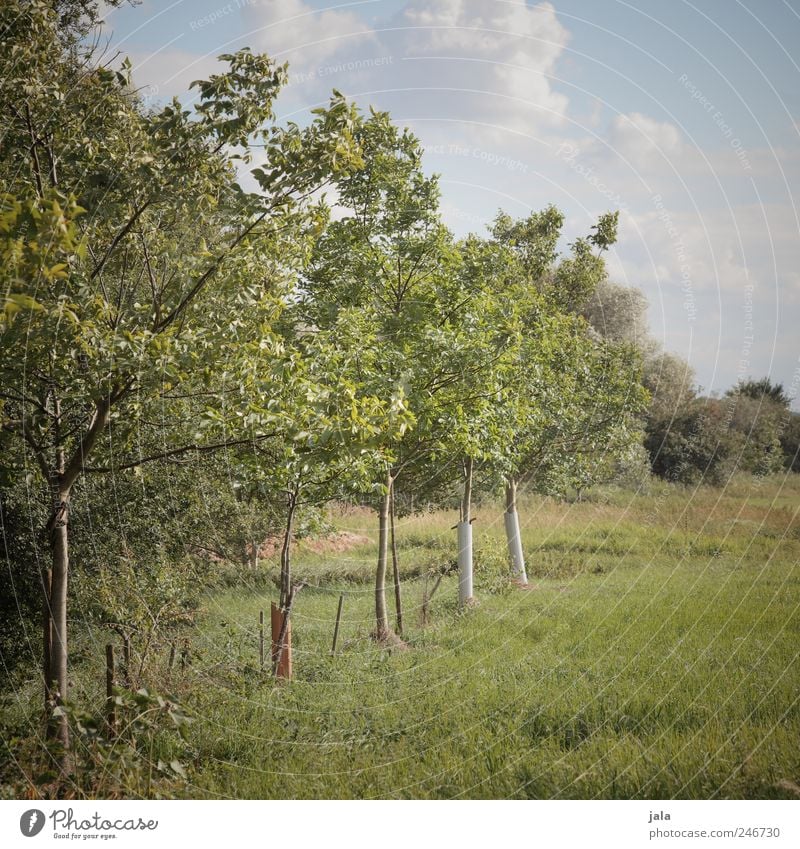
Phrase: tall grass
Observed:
(654, 655)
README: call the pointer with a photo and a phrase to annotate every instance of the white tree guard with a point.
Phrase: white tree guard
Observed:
(464, 562)
(515, 546)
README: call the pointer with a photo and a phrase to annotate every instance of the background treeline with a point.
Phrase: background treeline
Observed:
(688, 437)
(190, 367)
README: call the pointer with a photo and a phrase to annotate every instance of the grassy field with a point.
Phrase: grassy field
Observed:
(654, 655)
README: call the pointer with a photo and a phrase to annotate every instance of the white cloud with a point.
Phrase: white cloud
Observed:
(493, 60)
(291, 30)
(639, 139)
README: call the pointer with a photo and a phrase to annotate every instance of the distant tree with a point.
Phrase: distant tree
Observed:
(670, 380)
(618, 313)
(761, 389)
(790, 441)
(711, 438)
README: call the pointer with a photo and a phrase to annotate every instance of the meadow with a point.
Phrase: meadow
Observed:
(653, 655)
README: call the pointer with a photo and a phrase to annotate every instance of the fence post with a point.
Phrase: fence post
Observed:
(338, 619)
(110, 706)
(261, 639)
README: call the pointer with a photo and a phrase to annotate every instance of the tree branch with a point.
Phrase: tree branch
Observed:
(118, 238)
(173, 452)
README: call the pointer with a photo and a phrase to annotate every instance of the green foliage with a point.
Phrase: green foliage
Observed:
(145, 757)
(711, 439)
(763, 389)
(20, 588)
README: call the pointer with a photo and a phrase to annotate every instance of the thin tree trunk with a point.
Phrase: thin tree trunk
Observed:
(398, 602)
(513, 537)
(466, 499)
(286, 568)
(59, 550)
(47, 632)
(465, 538)
(382, 629)
(282, 667)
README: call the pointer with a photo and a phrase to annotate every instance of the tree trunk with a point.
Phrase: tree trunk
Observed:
(513, 537)
(398, 602)
(59, 552)
(464, 530)
(286, 569)
(253, 556)
(466, 499)
(47, 632)
(382, 629)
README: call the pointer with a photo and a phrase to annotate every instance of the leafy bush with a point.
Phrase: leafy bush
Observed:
(143, 756)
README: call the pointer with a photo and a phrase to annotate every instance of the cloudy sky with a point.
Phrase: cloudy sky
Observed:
(683, 115)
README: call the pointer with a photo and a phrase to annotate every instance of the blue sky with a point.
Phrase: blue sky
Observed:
(683, 115)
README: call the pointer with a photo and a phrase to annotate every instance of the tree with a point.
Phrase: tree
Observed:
(763, 389)
(618, 313)
(387, 261)
(135, 265)
(572, 396)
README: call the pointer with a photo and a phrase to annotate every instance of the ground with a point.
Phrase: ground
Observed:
(654, 655)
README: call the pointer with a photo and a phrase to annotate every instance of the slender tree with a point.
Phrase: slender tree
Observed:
(164, 265)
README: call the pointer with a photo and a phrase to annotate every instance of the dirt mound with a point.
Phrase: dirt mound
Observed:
(339, 541)
(336, 542)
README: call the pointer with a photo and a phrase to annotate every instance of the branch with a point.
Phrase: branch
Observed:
(164, 323)
(75, 464)
(118, 238)
(183, 449)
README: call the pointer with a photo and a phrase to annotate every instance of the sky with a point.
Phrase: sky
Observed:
(684, 116)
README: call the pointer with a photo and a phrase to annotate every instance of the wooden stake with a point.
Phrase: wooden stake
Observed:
(338, 619)
(126, 659)
(261, 639)
(110, 706)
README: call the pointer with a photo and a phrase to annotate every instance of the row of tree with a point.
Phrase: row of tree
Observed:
(269, 347)
(155, 311)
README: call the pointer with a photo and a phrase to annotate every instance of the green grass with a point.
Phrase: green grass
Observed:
(655, 655)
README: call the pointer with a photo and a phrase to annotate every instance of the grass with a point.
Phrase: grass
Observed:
(655, 655)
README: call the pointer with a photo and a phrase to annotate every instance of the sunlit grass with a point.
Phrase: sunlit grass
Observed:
(654, 656)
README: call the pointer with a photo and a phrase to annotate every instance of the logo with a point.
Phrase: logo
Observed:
(31, 822)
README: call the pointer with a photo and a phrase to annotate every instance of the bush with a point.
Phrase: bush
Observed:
(145, 755)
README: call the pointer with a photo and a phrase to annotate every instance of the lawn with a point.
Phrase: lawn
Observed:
(654, 655)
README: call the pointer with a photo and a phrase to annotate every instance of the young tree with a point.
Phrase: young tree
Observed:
(387, 258)
(572, 395)
(136, 265)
